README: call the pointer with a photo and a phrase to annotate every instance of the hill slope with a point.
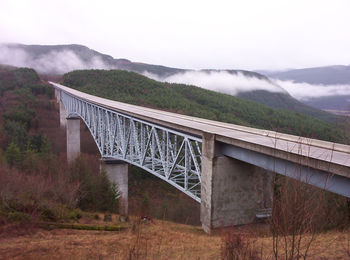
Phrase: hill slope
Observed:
(136, 89)
(41, 58)
(59, 59)
(285, 101)
(321, 76)
(327, 75)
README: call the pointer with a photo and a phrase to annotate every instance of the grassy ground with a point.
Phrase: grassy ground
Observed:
(154, 239)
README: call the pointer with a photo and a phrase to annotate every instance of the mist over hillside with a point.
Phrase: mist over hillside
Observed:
(328, 75)
(321, 87)
(228, 82)
(60, 59)
(55, 59)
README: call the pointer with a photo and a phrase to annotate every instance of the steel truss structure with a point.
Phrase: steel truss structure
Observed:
(170, 155)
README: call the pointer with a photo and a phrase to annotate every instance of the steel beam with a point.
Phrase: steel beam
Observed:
(321, 179)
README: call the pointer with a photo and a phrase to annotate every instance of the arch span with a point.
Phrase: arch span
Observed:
(171, 155)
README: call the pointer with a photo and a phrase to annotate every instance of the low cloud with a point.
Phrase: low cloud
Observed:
(220, 81)
(53, 62)
(60, 62)
(233, 84)
(305, 91)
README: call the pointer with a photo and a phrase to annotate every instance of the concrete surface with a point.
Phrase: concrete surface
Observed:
(73, 139)
(231, 190)
(63, 115)
(117, 172)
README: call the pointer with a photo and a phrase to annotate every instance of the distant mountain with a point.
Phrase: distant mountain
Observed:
(285, 101)
(59, 59)
(323, 76)
(328, 75)
(340, 103)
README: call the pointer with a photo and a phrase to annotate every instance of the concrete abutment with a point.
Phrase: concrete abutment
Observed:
(231, 191)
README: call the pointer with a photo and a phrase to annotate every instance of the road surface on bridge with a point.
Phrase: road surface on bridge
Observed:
(321, 155)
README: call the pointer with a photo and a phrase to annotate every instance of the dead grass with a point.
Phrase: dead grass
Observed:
(153, 240)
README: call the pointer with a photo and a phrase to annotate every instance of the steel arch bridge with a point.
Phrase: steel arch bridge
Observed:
(168, 154)
(215, 163)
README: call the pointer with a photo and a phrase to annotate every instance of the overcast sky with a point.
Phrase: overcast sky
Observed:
(268, 34)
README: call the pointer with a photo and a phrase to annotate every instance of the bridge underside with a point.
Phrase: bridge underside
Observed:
(321, 179)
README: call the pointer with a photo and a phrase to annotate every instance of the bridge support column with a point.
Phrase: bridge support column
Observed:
(231, 190)
(117, 172)
(58, 96)
(63, 115)
(73, 138)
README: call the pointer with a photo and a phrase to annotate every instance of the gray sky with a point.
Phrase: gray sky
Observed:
(261, 34)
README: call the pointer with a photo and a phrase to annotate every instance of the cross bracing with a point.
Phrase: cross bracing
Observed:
(168, 154)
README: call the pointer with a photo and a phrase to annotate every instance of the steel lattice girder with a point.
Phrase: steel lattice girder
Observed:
(170, 155)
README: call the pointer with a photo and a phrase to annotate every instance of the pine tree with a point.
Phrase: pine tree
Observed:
(13, 154)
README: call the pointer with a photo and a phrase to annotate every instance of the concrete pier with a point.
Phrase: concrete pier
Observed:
(232, 191)
(63, 115)
(73, 138)
(117, 172)
(58, 95)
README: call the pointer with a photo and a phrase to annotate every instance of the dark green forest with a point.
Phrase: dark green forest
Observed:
(133, 88)
(35, 181)
(285, 101)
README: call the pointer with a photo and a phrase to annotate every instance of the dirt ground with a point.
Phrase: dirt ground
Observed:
(152, 239)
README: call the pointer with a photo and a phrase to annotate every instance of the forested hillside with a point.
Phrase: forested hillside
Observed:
(136, 89)
(35, 181)
(285, 101)
(55, 60)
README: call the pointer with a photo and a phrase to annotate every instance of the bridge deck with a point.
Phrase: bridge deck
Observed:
(321, 155)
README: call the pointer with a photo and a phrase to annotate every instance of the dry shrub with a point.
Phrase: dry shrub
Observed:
(347, 248)
(142, 245)
(28, 197)
(300, 213)
(237, 245)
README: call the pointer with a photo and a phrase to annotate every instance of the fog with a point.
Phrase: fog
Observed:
(59, 62)
(233, 84)
(54, 62)
(305, 91)
(220, 81)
